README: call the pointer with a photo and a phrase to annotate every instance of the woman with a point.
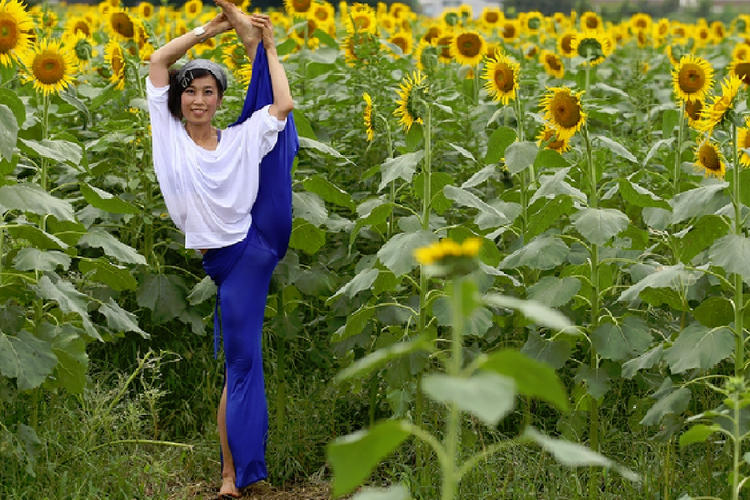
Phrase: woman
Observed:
(230, 193)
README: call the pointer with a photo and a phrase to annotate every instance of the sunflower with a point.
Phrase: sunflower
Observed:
(491, 17)
(533, 22)
(563, 111)
(412, 92)
(640, 22)
(360, 47)
(549, 140)
(565, 43)
(120, 25)
(675, 52)
(468, 48)
(693, 110)
(450, 17)
(78, 24)
(660, 30)
(323, 13)
(15, 26)
(192, 8)
(552, 63)
(82, 47)
(713, 115)
(678, 30)
(50, 66)
(510, 31)
(367, 115)
(702, 36)
(741, 69)
(362, 21)
(743, 143)
(741, 52)
(233, 54)
(399, 10)
(593, 46)
(404, 41)
(244, 74)
(115, 57)
(425, 56)
(709, 160)
(146, 10)
(501, 75)
(719, 31)
(692, 78)
(591, 21)
(443, 45)
(493, 50)
(434, 31)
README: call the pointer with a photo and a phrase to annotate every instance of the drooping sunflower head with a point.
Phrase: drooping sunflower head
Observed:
(709, 160)
(493, 50)
(692, 78)
(361, 47)
(82, 48)
(367, 116)
(501, 78)
(444, 48)
(565, 43)
(404, 41)
(712, 115)
(451, 17)
(50, 66)
(115, 58)
(741, 69)
(15, 26)
(563, 111)
(552, 64)
(693, 110)
(675, 52)
(426, 56)
(718, 31)
(449, 257)
(412, 100)
(79, 24)
(297, 7)
(593, 46)
(591, 21)
(434, 31)
(661, 29)
(468, 47)
(548, 138)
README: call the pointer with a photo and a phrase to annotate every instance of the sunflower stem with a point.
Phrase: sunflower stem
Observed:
(454, 369)
(678, 151)
(739, 355)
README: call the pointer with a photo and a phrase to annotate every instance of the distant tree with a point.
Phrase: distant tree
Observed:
(546, 7)
(704, 8)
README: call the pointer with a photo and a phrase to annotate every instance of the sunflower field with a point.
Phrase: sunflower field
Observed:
(517, 267)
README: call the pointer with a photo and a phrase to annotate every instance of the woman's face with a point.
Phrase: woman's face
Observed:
(199, 101)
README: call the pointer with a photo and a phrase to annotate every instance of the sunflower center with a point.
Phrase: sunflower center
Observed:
(401, 42)
(509, 31)
(148, 10)
(693, 109)
(83, 27)
(503, 78)
(590, 48)
(8, 32)
(321, 14)
(362, 22)
(491, 17)
(641, 24)
(709, 158)
(592, 22)
(565, 110)
(301, 5)
(431, 34)
(566, 41)
(743, 71)
(122, 24)
(691, 78)
(468, 45)
(553, 62)
(48, 67)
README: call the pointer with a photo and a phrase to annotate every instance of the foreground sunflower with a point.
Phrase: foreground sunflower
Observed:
(692, 78)
(412, 93)
(50, 66)
(15, 26)
(367, 116)
(501, 75)
(593, 46)
(563, 111)
(712, 115)
(709, 160)
(449, 256)
(468, 48)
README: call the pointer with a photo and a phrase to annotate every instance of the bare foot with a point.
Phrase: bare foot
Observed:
(228, 488)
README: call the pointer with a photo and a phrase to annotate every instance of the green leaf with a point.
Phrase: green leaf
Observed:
(120, 320)
(304, 129)
(552, 352)
(354, 457)
(674, 277)
(549, 214)
(394, 492)
(675, 402)
(698, 434)
(164, 294)
(31, 259)
(669, 120)
(26, 358)
(616, 148)
(599, 225)
(361, 281)
(532, 378)
(500, 139)
(328, 191)
(488, 396)
(639, 196)
(699, 201)
(55, 149)
(550, 159)
(552, 186)
(306, 236)
(397, 254)
(70, 350)
(699, 347)
(520, 155)
(553, 291)
(479, 177)
(596, 381)
(355, 323)
(364, 366)
(102, 271)
(203, 291)
(731, 253)
(28, 197)
(98, 237)
(477, 321)
(539, 313)
(377, 215)
(10, 99)
(714, 312)
(467, 199)
(543, 252)
(401, 167)
(658, 144)
(106, 201)
(36, 237)
(697, 238)
(309, 206)
(306, 142)
(642, 362)
(68, 298)
(623, 341)
(8, 132)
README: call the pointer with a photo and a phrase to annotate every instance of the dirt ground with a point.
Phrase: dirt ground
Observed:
(263, 491)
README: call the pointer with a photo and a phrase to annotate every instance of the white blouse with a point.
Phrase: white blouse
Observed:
(209, 194)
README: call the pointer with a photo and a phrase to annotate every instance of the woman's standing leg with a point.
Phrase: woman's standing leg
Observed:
(228, 476)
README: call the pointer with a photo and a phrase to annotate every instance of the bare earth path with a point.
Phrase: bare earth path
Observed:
(309, 491)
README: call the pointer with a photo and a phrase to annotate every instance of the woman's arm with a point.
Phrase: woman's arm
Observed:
(167, 55)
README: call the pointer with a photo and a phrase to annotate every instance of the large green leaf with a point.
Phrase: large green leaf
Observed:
(371, 213)
(353, 457)
(658, 144)
(361, 281)
(36, 237)
(616, 148)
(476, 323)
(68, 298)
(548, 214)
(533, 310)
(673, 402)
(306, 142)
(401, 167)
(487, 396)
(639, 196)
(643, 362)
(364, 366)
(8, 132)
(28, 197)
(552, 352)
(70, 350)
(520, 155)
(355, 323)
(697, 238)
(532, 378)
(26, 358)
(622, 341)
(552, 186)
(499, 141)
(203, 291)
(596, 381)
(106, 201)
(467, 199)
(673, 277)
(479, 177)
(732, 252)
(309, 206)
(30, 259)
(397, 254)
(55, 149)
(550, 159)
(329, 192)
(98, 237)
(102, 271)
(699, 347)
(306, 236)
(543, 252)
(164, 294)
(553, 291)
(715, 311)
(698, 434)
(120, 320)
(599, 225)
(699, 201)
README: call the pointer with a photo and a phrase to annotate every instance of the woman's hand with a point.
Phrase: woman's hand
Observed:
(219, 24)
(240, 22)
(262, 22)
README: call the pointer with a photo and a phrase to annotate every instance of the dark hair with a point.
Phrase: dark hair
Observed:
(175, 90)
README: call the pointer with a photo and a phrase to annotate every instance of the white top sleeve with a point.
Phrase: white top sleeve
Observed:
(209, 194)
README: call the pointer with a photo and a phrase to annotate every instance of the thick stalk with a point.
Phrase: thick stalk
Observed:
(737, 440)
(454, 370)
(739, 355)
(678, 151)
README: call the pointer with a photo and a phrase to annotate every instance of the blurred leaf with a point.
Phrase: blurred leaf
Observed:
(703, 200)
(355, 323)
(164, 294)
(11, 100)
(354, 457)
(599, 225)
(488, 396)
(68, 298)
(8, 132)
(98, 237)
(401, 167)
(28, 197)
(479, 177)
(306, 142)
(328, 191)
(596, 381)
(552, 352)
(394, 492)
(364, 366)
(304, 129)
(552, 186)
(622, 341)
(520, 155)
(31, 259)
(106, 201)
(306, 236)
(675, 402)
(309, 206)
(553, 291)
(698, 434)
(699, 347)
(616, 148)
(397, 253)
(639, 196)
(378, 215)
(543, 252)
(204, 290)
(669, 120)
(27, 359)
(102, 271)
(500, 139)
(732, 253)
(674, 277)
